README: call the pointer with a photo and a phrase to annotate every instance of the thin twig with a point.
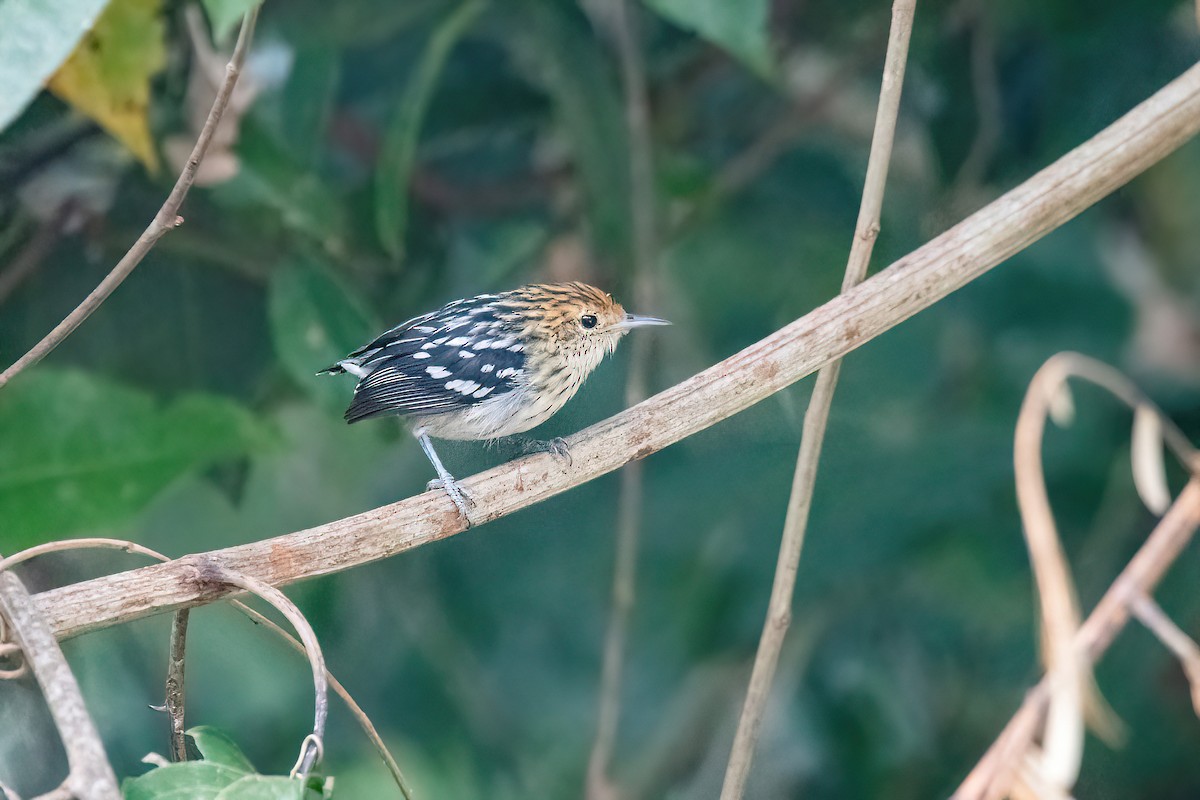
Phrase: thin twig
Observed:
(985, 84)
(90, 776)
(355, 709)
(174, 705)
(1059, 192)
(256, 617)
(780, 136)
(165, 220)
(779, 609)
(31, 256)
(310, 751)
(1150, 614)
(1141, 575)
(644, 216)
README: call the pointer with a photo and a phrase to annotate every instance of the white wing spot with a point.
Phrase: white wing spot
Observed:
(439, 340)
(516, 348)
(504, 373)
(500, 344)
(424, 328)
(458, 341)
(465, 354)
(438, 372)
(420, 354)
(464, 387)
(483, 344)
(484, 392)
(487, 368)
(428, 346)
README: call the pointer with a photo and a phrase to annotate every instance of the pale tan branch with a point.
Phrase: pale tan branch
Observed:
(165, 220)
(816, 418)
(311, 749)
(179, 748)
(1126, 148)
(995, 770)
(90, 776)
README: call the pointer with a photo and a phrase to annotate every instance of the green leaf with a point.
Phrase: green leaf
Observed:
(362, 23)
(315, 321)
(108, 75)
(737, 26)
(557, 48)
(79, 453)
(191, 780)
(400, 146)
(224, 15)
(217, 748)
(36, 37)
(271, 176)
(264, 787)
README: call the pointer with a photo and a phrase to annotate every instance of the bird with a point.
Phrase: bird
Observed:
(488, 366)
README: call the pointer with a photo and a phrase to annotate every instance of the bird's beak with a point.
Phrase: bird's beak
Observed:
(636, 321)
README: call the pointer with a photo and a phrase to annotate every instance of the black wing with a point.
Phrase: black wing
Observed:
(458, 356)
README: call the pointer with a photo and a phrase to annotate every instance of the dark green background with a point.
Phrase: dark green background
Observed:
(184, 413)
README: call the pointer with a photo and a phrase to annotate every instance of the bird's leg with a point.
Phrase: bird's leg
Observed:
(445, 479)
(556, 447)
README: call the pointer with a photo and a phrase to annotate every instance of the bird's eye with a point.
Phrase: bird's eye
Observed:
(588, 321)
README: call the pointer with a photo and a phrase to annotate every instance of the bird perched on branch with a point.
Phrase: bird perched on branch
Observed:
(487, 366)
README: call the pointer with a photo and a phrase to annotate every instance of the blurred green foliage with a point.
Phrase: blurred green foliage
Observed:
(399, 155)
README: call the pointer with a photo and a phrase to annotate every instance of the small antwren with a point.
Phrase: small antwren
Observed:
(487, 366)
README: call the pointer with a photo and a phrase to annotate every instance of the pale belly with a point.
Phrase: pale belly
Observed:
(510, 413)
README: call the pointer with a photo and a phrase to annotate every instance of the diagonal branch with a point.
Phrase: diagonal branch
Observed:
(1138, 579)
(1105, 162)
(816, 418)
(165, 220)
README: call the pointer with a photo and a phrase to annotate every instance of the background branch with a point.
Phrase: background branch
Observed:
(816, 418)
(165, 220)
(1133, 143)
(643, 209)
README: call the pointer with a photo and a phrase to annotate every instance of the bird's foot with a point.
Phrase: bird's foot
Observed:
(462, 501)
(556, 447)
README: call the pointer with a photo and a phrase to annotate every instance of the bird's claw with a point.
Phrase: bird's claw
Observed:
(556, 447)
(462, 501)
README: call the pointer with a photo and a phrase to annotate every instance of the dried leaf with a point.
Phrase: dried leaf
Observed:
(35, 39)
(1149, 468)
(1061, 405)
(108, 75)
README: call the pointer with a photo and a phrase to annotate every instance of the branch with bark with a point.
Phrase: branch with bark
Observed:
(1050, 198)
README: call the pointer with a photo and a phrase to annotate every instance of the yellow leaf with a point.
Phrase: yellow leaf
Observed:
(108, 75)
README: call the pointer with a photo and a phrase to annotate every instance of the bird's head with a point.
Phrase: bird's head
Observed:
(579, 319)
